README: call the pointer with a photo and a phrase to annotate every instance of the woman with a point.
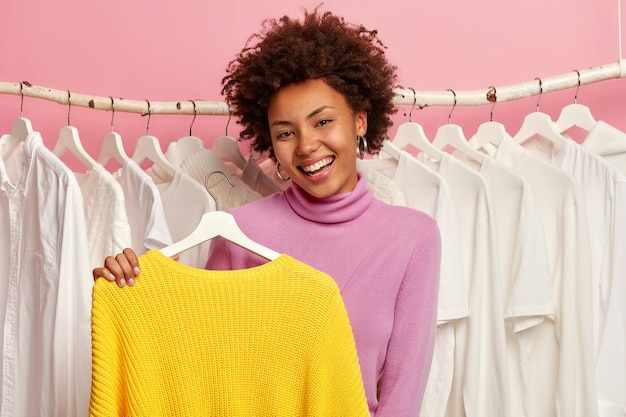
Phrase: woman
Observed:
(309, 93)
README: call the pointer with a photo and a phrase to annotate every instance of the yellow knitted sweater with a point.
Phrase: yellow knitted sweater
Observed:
(273, 340)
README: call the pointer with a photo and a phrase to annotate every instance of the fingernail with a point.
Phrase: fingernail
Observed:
(136, 270)
(111, 277)
(122, 282)
(131, 281)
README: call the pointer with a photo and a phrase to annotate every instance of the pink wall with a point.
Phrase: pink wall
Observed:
(169, 51)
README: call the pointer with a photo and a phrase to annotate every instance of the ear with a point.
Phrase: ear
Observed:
(360, 120)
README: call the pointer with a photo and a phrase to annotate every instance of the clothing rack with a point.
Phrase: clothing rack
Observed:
(404, 96)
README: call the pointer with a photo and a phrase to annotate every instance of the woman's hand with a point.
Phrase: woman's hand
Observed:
(121, 268)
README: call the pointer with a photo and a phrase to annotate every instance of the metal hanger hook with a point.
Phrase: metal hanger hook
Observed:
(206, 185)
(194, 116)
(578, 87)
(22, 98)
(414, 102)
(230, 115)
(453, 106)
(69, 106)
(148, 122)
(540, 91)
(112, 111)
(493, 97)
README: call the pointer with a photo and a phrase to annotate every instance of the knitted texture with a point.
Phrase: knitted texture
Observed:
(273, 340)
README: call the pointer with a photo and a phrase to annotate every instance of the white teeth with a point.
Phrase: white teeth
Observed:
(317, 165)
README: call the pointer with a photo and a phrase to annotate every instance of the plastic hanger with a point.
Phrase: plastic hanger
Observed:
(227, 147)
(69, 140)
(112, 146)
(219, 223)
(411, 133)
(190, 144)
(148, 147)
(538, 124)
(489, 132)
(575, 115)
(22, 127)
(452, 135)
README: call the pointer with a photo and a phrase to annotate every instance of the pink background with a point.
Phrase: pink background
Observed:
(176, 51)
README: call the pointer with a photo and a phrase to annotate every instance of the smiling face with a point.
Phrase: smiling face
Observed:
(314, 136)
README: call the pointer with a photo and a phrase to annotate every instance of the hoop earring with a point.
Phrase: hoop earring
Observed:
(278, 174)
(361, 147)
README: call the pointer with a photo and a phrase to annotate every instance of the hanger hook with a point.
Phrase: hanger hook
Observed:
(453, 106)
(578, 87)
(22, 98)
(148, 122)
(540, 91)
(112, 111)
(194, 116)
(206, 185)
(230, 114)
(414, 102)
(69, 106)
(493, 97)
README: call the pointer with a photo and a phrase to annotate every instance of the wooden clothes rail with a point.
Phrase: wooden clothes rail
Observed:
(404, 96)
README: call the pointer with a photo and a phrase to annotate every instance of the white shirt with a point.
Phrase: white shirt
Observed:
(184, 202)
(46, 358)
(108, 230)
(525, 269)
(558, 360)
(610, 143)
(144, 208)
(480, 384)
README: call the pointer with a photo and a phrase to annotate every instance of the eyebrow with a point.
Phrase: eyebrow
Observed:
(310, 115)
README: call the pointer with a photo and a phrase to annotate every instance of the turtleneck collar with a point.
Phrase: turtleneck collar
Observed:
(334, 209)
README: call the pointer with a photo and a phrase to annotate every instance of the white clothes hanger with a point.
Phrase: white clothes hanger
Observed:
(538, 124)
(190, 144)
(227, 147)
(22, 127)
(411, 133)
(452, 135)
(489, 132)
(69, 140)
(575, 115)
(112, 146)
(148, 147)
(219, 223)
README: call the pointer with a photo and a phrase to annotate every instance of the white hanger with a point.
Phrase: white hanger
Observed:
(452, 135)
(391, 149)
(148, 147)
(20, 130)
(219, 223)
(112, 146)
(411, 133)
(489, 132)
(69, 140)
(575, 115)
(227, 147)
(538, 124)
(190, 144)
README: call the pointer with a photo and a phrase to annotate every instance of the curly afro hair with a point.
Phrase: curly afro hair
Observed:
(349, 58)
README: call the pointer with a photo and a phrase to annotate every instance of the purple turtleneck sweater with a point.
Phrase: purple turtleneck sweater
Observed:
(385, 260)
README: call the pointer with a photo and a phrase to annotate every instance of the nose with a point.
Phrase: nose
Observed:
(307, 143)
